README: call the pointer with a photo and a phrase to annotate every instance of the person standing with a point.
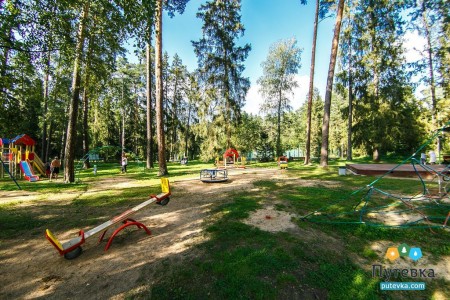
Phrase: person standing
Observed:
(124, 163)
(423, 158)
(432, 157)
(54, 168)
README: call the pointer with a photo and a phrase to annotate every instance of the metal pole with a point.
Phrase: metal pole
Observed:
(12, 177)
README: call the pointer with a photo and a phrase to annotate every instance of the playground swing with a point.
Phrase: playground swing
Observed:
(72, 248)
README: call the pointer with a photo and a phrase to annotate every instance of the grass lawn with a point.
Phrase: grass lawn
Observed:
(239, 261)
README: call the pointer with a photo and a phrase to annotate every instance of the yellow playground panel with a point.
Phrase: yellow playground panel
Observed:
(283, 162)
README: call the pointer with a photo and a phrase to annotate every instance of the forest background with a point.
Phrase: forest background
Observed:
(66, 81)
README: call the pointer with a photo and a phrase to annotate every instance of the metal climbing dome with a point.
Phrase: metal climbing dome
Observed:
(382, 203)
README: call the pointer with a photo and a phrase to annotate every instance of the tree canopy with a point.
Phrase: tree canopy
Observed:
(66, 82)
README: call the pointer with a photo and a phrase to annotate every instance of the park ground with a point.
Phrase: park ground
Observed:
(243, 239)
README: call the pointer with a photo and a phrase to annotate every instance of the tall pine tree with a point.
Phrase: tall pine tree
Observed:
(221, 60)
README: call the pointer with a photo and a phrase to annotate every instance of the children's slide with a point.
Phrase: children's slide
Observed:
(38, 164)
(28, 171)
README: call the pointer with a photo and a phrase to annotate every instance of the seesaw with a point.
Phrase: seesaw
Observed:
(72, 248)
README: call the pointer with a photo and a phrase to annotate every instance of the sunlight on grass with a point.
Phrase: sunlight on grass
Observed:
(236, 260)
(358, 279)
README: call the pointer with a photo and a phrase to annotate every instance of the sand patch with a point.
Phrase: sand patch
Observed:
(269, 219)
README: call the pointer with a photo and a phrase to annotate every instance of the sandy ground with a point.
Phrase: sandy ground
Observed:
(30, 268)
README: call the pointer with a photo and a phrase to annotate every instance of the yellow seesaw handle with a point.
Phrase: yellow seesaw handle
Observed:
(53, 240)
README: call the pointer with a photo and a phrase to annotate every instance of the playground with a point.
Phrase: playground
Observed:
(19, 159)
(245, 237)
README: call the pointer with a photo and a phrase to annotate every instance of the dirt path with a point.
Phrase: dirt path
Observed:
(30, 267)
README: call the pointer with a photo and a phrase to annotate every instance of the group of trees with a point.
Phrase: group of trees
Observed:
(374, 107)
(65, 81)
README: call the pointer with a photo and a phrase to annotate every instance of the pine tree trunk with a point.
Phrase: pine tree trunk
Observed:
(430, 67)
(159, 93)
(350, 105)
(279, 125)
(149, 110)
(186, 138)
(87, 164)
(87, 70)
(49, 141)
(45, 110)
(350, 117)
(63, 139)
(311, 87)
(4, 85)
(69, 157)
(122, 142)
(136, 134)
(174, 122)
(329, 90)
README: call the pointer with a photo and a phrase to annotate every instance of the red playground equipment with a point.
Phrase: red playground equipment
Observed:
(19, 157)
(231, 159)
(72, 248)
(231, 155)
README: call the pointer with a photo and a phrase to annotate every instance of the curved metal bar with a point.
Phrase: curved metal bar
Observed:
(128, 222)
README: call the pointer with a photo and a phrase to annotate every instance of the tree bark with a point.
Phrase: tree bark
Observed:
(44, 113)
(69, 157)
(149, 109)
(350, 104)
(159, 93)
(279, 124)
(49, 141)
(122, 142)
(311, 87)
(4, 85)
(329, 90)
(350, 114)
(87, 70)
(186, 138)
(174, 121)
(430, 66)
(63, 138)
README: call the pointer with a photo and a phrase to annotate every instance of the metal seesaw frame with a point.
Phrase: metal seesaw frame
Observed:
(72, 248)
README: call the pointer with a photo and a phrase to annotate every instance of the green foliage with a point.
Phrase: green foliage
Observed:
(237, 260)
(203, 109)
(278, 81)
(247, 133)
(221, 66)
(264, 148)
(385, 112)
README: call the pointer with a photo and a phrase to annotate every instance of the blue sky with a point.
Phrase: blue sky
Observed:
(265, 22)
